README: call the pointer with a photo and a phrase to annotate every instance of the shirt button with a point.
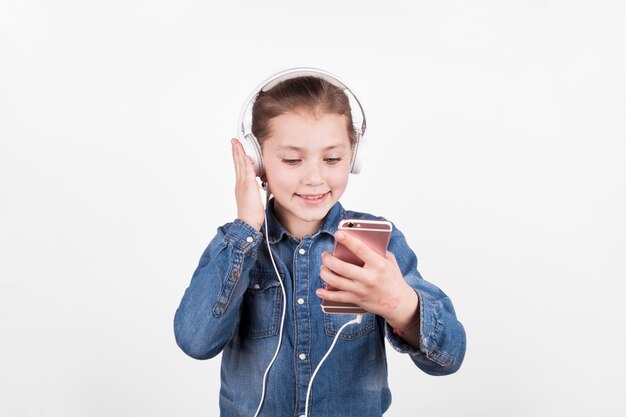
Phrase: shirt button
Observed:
(302, 356)
(256, 286)
(301, 251)
(300, 301)
(249, 239)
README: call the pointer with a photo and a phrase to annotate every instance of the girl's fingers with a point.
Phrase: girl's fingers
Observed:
(249, 168)
(340, 267)
(337, 296)
(236, 162)
(241, 161)
(244, 168)
(337, 281)
(360, 249)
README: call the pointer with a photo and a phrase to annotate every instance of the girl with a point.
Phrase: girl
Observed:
(234, 302)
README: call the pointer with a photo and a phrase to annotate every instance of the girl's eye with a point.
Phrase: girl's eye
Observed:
(332, 160)
(291, 161)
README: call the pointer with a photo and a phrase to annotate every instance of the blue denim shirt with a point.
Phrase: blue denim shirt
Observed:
(233, 305)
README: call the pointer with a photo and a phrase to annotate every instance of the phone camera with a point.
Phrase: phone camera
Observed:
(350, 224)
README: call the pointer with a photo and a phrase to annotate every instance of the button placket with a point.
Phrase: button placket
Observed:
(303, 341)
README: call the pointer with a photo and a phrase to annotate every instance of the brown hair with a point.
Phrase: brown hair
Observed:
(308, 93)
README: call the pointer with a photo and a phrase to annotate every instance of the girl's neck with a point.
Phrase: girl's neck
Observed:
(296, 227)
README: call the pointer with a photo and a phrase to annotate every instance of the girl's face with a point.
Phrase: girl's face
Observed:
(307, 163)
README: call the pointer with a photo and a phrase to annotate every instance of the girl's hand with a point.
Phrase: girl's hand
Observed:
(378, 286)
(249, 204)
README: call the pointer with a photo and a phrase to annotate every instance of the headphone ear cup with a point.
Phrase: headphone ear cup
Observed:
(253, 150)
(357, 154)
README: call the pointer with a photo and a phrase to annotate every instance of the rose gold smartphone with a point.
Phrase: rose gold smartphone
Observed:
(375, 234)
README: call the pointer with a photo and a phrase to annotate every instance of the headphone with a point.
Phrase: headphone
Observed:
(244, 125)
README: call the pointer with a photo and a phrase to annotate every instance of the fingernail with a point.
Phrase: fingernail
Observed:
(339, 236)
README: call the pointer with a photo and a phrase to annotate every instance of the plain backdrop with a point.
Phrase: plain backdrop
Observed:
(496, 143)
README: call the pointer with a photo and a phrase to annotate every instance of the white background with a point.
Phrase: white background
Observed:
(496, 144)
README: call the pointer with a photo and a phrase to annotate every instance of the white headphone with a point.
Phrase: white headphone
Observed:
(244, 125)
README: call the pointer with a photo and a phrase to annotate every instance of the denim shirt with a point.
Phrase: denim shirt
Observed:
(234, 305)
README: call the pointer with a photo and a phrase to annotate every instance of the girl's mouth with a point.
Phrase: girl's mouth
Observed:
(312, 199)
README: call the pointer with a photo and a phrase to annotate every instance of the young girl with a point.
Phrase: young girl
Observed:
(234, 303)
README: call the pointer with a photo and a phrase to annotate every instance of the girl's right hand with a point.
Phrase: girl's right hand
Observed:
(249, 204)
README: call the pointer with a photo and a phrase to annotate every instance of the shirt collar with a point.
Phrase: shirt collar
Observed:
(277, 231)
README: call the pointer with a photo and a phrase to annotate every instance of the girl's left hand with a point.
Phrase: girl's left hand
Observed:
(378, 286)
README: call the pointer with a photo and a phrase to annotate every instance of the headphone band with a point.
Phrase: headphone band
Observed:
(301, 72)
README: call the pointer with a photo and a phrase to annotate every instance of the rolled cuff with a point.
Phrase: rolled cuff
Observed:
(431, 333)
(243, 236)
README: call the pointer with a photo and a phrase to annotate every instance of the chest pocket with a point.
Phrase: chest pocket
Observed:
(333, 322)
(262, 305)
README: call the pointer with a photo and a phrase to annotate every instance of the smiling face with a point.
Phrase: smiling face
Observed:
(307, 163)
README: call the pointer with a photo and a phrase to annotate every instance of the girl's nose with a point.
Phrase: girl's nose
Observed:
(313, 174)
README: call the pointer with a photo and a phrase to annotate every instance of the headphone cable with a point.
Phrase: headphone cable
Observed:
(357, 320)
(282, 320)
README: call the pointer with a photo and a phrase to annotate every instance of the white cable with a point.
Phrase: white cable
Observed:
(357, 320)
(282, 320)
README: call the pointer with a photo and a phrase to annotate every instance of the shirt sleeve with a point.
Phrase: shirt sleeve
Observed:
(442, 336)
(208, 314)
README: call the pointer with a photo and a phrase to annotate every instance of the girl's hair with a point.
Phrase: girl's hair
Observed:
(307, 93)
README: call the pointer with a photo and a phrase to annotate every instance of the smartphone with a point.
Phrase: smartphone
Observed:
(375, 234)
